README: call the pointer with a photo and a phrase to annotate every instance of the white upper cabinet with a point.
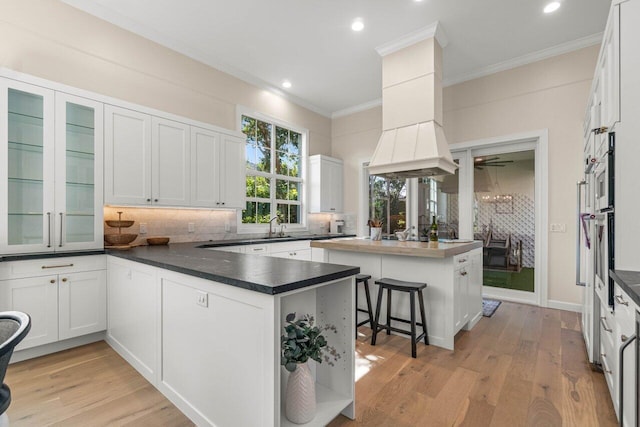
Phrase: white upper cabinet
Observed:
(51, 188)
(146, 159)
(151, 160)
(79, 173)
(217, 169)
(127, 157)
(325, 184)
(170, 154)
(609, 72)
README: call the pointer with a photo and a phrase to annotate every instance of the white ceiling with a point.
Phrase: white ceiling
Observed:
(332, 68)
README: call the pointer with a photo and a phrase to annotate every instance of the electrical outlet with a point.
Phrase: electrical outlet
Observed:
(143, 228)
(191, 227)
(202, 299)
(558, 228)
(227, 226)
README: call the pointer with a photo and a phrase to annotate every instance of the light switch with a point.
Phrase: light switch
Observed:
(143, 228)
(191, 227)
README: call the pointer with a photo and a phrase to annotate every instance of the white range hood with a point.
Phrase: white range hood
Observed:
(412, 142)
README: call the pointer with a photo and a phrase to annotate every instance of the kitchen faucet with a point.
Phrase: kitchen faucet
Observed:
(270, 224)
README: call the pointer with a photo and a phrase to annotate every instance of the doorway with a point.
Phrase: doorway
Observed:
(504, 217)
(503, 203)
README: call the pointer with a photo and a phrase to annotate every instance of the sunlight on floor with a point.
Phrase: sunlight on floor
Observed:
(365, 363)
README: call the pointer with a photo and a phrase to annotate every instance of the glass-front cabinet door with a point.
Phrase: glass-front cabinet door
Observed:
(26, 168)
(50, 170)
(78, 201)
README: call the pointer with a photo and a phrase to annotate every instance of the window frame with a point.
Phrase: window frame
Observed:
(245, 228)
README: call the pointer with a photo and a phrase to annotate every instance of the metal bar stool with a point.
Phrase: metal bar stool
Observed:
(412, 288)
(364, 278)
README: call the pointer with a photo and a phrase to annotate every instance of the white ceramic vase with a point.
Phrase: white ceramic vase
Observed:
(300, 399)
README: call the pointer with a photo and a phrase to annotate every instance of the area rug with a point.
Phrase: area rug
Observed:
(489, 306)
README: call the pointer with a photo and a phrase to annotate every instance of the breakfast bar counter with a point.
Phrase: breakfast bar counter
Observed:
(395, 247)
(452, 272)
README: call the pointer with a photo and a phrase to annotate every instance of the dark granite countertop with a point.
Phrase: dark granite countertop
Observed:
(22, 257)
(264, 274)
(629, 281)
(292, 238)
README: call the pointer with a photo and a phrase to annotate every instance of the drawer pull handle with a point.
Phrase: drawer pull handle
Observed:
(64, 279)
(604, 325)
(621, 301)
(56, 266)
(52, 281)
(624, 338)
(463, 273)
(462, 260)
(608, 371)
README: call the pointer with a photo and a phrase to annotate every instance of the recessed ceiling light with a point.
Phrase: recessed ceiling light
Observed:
(552, 7)
(286, 84)
(357, 25)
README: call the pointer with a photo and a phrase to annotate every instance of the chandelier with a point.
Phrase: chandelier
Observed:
(497, 198)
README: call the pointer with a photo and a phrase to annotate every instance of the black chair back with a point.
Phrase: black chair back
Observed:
(14, 326)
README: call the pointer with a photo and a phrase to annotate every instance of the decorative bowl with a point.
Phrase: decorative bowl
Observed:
(157, 240)
(119, 223)
(119, 239)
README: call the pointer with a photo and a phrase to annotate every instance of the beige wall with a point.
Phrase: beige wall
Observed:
(49, 39)
(549, 94)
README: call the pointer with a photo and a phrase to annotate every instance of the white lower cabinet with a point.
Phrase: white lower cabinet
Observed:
(134, 308)
(460, 294)
(65, 305)
(82, 302)
(38, 297)
(208, 336)
(626, 328)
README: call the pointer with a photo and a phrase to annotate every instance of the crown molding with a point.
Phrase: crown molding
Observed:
(526, 59)
(357, 108)
(433, 30)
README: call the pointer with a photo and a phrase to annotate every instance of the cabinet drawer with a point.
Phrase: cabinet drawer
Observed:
(296, 245)
(608, 329)
(608, 360)
(48, 266)
(461, 260)
(257, 249)
(625, 308)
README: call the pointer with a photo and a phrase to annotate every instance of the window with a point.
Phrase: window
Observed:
(388, 203)
(274, 172)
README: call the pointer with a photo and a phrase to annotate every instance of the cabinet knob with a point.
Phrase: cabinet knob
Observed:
(217, 203)
(155, 200)
(624, 338)
(52, 281)
(222, 203)
(64, 279)
(148, 200)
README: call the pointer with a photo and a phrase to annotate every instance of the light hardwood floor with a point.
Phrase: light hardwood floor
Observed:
(525, 366)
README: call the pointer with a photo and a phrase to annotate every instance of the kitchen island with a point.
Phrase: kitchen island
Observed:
(452, 271)
(204, 328)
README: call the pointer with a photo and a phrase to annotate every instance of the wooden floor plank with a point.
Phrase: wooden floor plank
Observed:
(524, 366)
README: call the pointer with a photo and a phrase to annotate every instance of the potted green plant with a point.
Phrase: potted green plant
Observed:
(302, 341)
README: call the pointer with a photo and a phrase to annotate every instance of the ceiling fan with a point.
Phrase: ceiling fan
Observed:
(480, 162)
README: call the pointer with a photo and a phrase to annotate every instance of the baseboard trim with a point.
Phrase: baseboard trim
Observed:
(54, 347)
(567, 306)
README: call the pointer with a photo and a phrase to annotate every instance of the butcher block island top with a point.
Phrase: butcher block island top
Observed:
(396, 247)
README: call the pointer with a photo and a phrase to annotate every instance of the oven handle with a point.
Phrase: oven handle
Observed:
(621, 376)
(578, 233)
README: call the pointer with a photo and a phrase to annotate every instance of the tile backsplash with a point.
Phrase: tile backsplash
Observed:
(207, 224)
